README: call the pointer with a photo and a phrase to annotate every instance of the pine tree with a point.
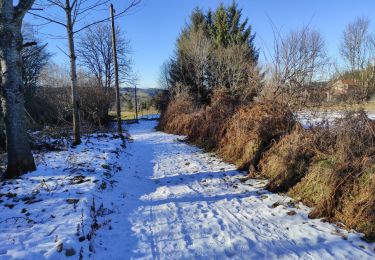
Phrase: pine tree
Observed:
(225, 33)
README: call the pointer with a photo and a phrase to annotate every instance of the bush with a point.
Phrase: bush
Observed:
(177, 115)
(342, 194)
(252, 130)
(288, 160)
(329, 168)
(358, 206)
(95, 104)
(209, 125)
(52, 106)
(205, 126)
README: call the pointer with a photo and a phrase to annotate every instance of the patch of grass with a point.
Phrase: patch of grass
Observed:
(128, 115)
(358, 206)
(287, 161)
(315, 186)
(340, 182)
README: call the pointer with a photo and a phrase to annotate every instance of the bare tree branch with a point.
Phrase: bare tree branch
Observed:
(130, 6)
(49, 19)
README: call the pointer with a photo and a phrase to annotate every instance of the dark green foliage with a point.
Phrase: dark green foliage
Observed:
(227, 29)
(215, 49)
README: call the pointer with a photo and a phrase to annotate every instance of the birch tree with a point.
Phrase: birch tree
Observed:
(357, 50)
(20, 158)
(353, 47)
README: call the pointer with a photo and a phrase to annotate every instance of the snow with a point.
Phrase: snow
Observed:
(45, 207)
(309, 118)
(161, 199)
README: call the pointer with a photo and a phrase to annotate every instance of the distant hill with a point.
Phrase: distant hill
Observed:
(141, 92)
(145, 98)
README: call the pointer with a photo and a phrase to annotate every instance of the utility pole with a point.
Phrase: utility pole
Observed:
(118, 107)
(136, 103)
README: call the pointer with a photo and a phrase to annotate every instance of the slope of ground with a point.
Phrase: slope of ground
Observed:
(157, 199)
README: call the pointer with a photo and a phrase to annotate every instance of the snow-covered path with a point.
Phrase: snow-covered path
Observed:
(159, 198)
(173, 201)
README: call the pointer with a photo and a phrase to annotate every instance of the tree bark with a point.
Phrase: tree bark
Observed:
(20, 158)
(73, 76)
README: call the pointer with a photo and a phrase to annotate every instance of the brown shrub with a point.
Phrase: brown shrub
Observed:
(177, 115)
(355, 136)
(329, 167)
(358, 206)
(204, 127)
(288, 160)
(340, 180)
(340, 193)
(252, 130)
(210, 125)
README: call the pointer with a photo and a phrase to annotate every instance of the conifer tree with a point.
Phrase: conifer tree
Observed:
(215, 49)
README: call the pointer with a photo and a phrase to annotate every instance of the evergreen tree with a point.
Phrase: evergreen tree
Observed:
(215, 49)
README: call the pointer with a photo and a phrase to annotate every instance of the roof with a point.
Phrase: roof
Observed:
(349, 82)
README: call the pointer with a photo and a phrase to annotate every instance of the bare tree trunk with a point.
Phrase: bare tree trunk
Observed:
(20, 158)
(73, 77)
(114, 50)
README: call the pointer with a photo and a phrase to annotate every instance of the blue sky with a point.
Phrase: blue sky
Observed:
(155, 25)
